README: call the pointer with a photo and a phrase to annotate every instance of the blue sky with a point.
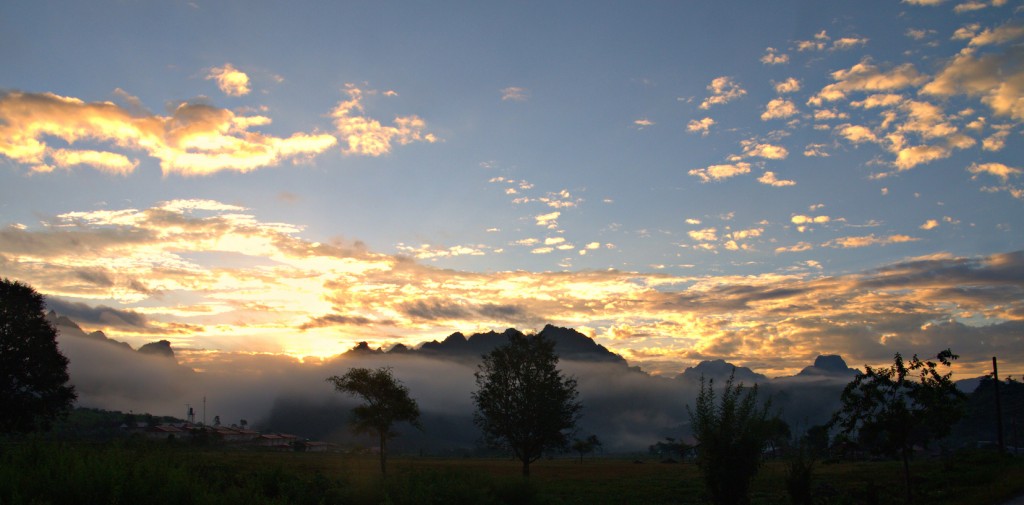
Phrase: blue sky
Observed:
(760, 181)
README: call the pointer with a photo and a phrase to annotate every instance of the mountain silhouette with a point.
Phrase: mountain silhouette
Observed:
(719, 371)
(829, 366)
(569, 345)
(161, 348)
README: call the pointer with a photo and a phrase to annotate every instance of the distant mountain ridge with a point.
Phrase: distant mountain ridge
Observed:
(569, 345)
(67, 327)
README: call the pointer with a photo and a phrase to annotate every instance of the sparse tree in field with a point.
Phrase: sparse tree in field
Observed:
(584, 446)
(523, 402)
(731, 434)
(890, 410)
(385, 402)
(34, 387)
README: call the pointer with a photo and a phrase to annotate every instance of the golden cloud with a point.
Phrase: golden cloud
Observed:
(369, 137)
(999, 170)
(230, 80)
(998, 79)
(868, 240)
(723, 90)
(239, 282)
(773, 57)
(866, 77)
(769, 178)
(767, 151)
(720, 172)
(779, 108)
(701, 126)
(790, 85)
(196, 139)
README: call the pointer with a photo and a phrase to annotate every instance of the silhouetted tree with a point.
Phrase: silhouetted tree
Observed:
(731, 435)
(587, 445)
(386, 402)
(34, 387)
(890, 411)
(778, 435)
(669, 448)
(523, 402)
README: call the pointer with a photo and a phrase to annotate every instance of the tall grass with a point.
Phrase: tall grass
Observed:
(122, 472)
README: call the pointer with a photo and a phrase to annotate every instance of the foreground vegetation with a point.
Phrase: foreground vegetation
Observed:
(123, 472)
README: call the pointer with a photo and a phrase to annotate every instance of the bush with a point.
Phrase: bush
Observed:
(732, 436)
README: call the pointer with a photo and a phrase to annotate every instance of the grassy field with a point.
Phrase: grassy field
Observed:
(45, 472)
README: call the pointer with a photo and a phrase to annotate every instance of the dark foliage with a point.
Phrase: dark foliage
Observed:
(889, 410)
(669, 448)
(34, 387)
(523, 402)
(732, 433)
(385, 402)
(979, 425)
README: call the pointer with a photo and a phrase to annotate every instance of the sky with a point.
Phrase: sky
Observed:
(756, 181)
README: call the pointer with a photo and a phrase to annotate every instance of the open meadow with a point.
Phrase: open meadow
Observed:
(57, 473)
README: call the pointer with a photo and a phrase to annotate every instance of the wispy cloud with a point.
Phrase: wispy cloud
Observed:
(868, 240)
(515, 94)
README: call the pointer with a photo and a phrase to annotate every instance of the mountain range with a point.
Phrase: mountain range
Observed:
(627, 408)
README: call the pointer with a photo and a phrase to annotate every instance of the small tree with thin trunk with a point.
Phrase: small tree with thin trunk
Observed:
(385, 402)
(889, 411)
(523, 402)
(584, 446)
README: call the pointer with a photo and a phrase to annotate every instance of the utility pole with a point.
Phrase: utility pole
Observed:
(204, 414)
(999, 406)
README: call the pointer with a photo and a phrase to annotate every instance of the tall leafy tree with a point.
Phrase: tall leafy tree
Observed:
(523, 402)
(386, 401)
(34, 387)
(890, 410)
(732, 430)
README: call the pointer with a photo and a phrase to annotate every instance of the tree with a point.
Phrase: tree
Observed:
(587, 445)
(385, 402)
(34, 387)
(523, 402)
(731, 437)
(889, 412)
(670, 448)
